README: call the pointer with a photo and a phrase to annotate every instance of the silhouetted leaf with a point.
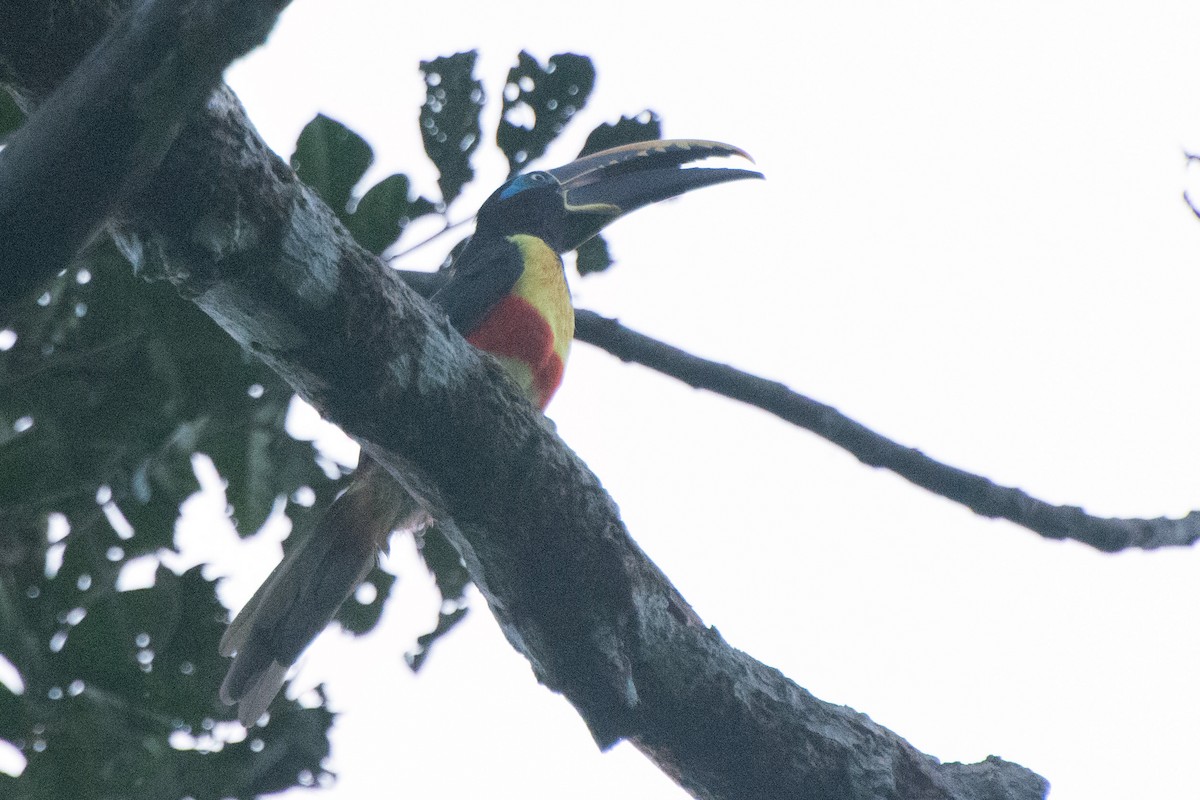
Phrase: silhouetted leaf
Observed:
(383, 212)
(415, 658)
(592, 256)
(358, 617)
(125, 706)
(112, 384)
(452, 581)
(627, 130)
(10, 115)
(450, 119)
(538, 103)
(444, 563)
(331, 159)
(14, 721)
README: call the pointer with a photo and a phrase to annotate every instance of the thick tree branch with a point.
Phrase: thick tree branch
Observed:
(973, 491)
(109, 123)
(228, 223)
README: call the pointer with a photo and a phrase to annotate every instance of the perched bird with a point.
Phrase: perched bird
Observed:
(507, 294)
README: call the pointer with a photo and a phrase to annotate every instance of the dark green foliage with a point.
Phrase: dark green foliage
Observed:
(118, 382)
(452, 582)
(109, 390)
(593, 256)
(627, 130)
(450, 119)
(113, 384)
(332, 159)
(359, 617)
(444, 564)
(10, 116)
(384, 212)
(120, 706)
(554, 94)
(446, 620)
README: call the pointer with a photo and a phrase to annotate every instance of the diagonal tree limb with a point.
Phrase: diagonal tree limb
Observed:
(109, 123)
(973, 491)
(231, 227)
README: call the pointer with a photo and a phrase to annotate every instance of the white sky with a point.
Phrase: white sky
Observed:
(971, 239)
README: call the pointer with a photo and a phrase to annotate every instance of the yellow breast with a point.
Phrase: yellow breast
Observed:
(544, 286)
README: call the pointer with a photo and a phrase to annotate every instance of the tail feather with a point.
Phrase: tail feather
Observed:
(304, 592)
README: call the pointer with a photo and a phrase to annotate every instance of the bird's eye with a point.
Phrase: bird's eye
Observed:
(522, 182)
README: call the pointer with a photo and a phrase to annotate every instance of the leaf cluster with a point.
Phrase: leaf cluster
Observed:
(110, 388)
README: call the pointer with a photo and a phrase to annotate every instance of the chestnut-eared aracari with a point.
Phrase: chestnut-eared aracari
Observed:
(507, 293)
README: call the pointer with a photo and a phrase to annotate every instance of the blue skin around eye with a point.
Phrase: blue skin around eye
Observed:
(521, 183)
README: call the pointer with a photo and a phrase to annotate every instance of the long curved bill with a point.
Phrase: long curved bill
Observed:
(601, 187)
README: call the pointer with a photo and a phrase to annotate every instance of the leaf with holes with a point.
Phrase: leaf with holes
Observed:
(627, 130)
(122, 703)
(112, 384)
(359, 617)
(449, 119)
(538, 103)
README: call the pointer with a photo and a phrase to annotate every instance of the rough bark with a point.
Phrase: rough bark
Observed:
(229, 225)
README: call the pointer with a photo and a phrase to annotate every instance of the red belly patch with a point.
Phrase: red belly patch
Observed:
(514, 329)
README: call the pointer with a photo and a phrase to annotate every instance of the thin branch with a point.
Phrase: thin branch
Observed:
(973, 491)
(449, 226)
(72, 359)
(1187, 198)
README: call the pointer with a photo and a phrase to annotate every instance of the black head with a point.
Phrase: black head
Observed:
(570, 204)
(532, 203)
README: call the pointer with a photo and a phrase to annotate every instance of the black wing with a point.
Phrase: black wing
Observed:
(484, 272)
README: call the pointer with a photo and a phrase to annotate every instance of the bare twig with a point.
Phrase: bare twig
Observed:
(449, 226)
(1187, 198)
(973, 491)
